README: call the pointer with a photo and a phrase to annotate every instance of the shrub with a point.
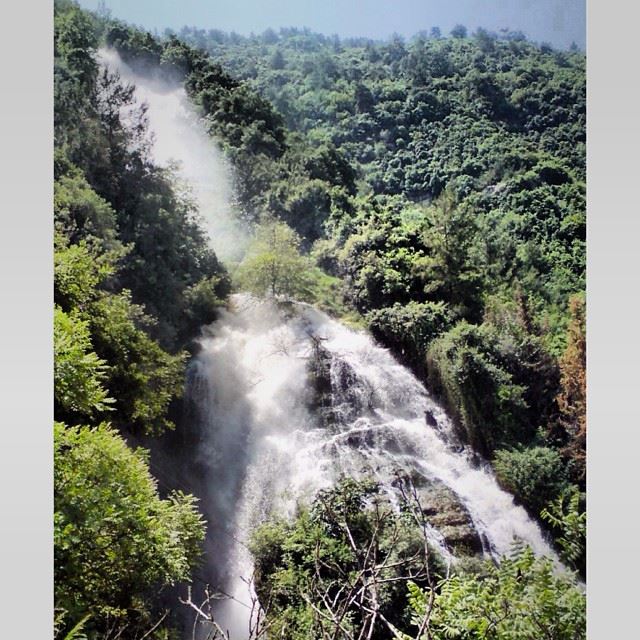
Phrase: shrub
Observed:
(521, 598)
(409, 329)
(115, 541)
(535, 476)
(465, 368)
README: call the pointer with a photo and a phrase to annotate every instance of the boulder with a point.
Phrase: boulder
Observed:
(446, 513)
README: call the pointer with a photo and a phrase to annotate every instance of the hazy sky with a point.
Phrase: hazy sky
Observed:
(559, 22)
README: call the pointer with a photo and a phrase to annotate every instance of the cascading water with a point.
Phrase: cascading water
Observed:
(268, 445)
(286, 400)
(180, 140)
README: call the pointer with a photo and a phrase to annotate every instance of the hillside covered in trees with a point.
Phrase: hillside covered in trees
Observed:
(431, 191)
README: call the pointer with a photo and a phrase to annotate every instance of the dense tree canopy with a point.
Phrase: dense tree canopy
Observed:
(121, 230)
(115, 540)
(435, 187)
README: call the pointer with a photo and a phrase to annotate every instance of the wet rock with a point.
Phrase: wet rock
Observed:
(320, 381)
(446, 513)
(430, 419)
(337, 395)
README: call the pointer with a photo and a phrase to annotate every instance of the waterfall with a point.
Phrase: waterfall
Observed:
(287, 400)
(180, 140)
(269, 445)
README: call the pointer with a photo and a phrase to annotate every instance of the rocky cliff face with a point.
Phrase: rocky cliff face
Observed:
(336, 399)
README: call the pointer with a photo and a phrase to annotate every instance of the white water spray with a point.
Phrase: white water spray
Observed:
(268, 450)
(180, 138)
(264, 446)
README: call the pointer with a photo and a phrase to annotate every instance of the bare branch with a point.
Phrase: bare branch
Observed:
(156, 625)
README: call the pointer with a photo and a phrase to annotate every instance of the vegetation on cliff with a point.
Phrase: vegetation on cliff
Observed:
(434, 187)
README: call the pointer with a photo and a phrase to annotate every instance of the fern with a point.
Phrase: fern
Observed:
(77, 632)
(572, 524)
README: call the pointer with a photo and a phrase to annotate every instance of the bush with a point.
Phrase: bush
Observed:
(409, 329)
(465, 368)
(568, 519)
(202, 304)
(498, 381)
(115, 541)
(347, 535)
(535, 476)
(521, 598)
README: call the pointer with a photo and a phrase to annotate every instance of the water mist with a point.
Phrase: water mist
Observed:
(263, 448)
(268, 449)
(181, 140)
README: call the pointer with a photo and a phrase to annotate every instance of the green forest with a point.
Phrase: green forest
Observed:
(430, 191)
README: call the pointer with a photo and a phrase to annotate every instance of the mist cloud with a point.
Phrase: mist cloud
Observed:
(180, 139)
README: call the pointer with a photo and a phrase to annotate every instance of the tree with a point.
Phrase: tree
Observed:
(274, 265)
(277, 60)
(519, 599)
(269, 36)
(80, 213)
(74, 39)
(452, 267)
(78, 374)
(142, 377)
(340, 570)
(104, 340)
(364, 98)
(459, 31)
(485, 40)
(115, 541)
(572, 400)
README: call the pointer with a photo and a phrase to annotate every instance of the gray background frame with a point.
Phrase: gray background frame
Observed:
(26, 175)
